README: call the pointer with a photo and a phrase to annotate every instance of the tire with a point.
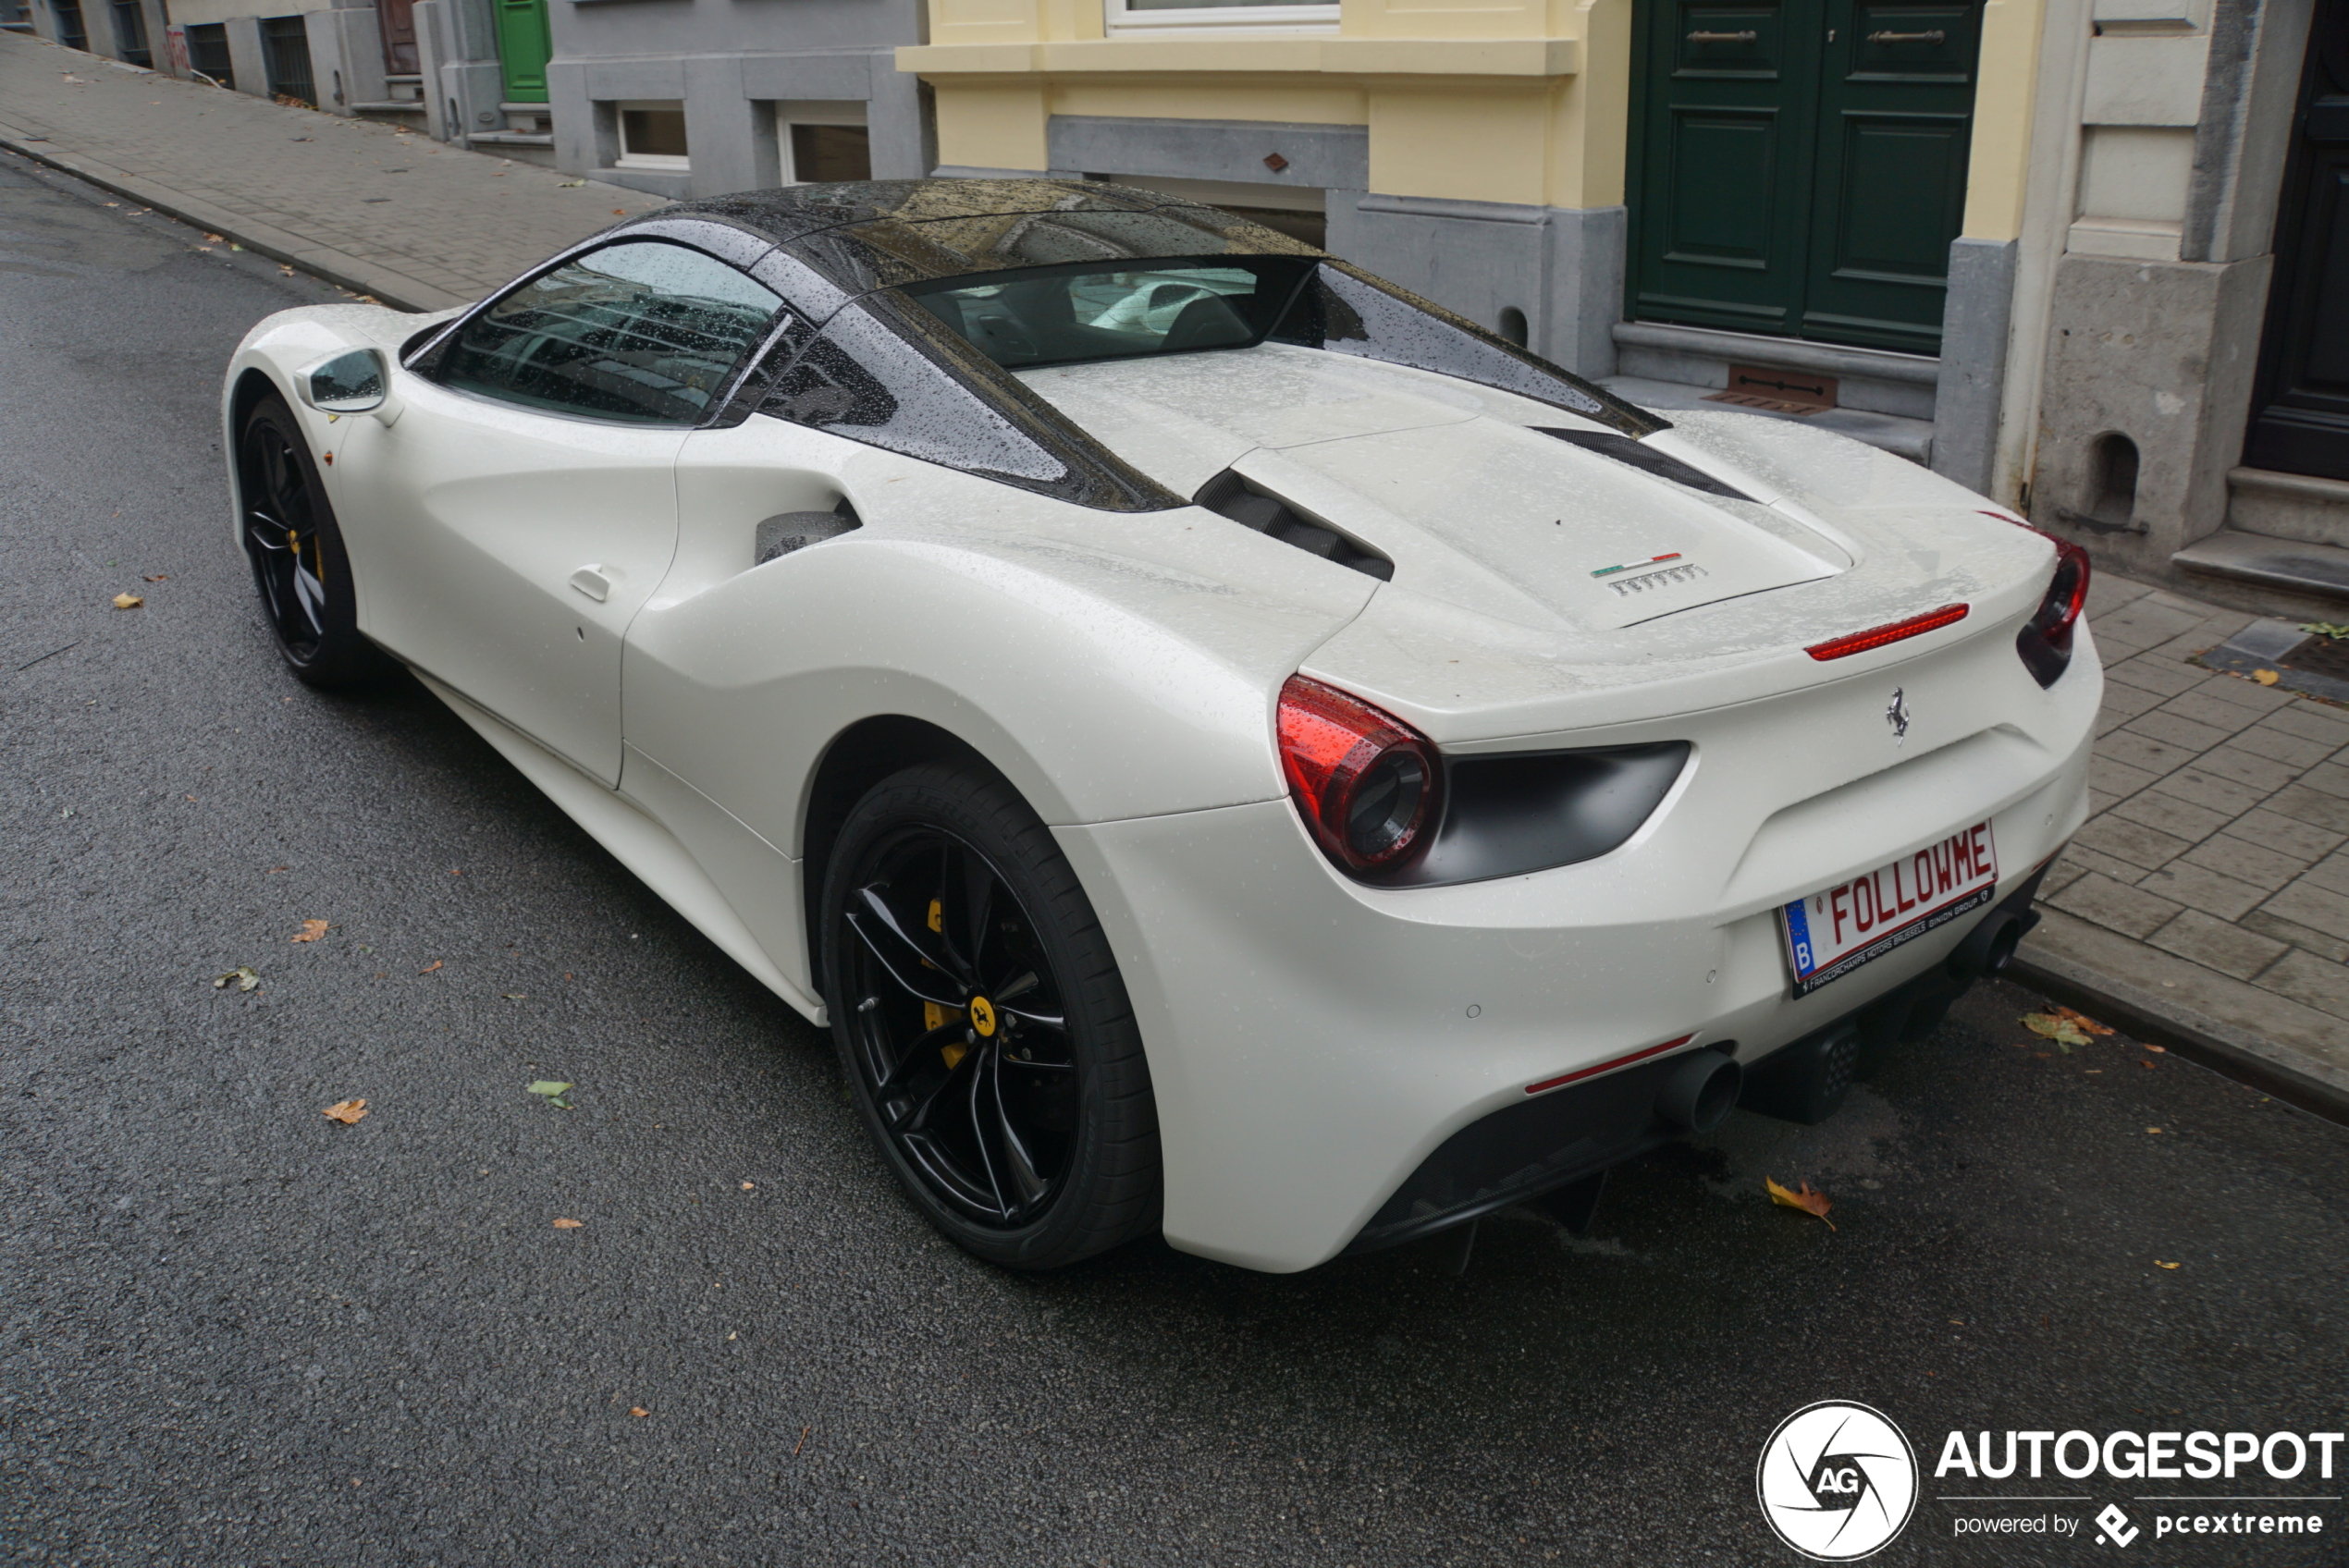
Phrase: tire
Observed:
(299, 563)
(1031, 1143)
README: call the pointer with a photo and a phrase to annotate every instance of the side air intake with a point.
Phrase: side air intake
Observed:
(1232, 497)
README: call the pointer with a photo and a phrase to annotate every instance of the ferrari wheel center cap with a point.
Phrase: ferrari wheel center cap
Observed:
(982, 1015)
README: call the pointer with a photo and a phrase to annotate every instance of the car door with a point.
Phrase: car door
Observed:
(523, 504)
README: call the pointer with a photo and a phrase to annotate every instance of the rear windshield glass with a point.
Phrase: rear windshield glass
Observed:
(1068, 314)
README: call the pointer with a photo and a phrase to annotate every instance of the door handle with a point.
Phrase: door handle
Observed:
(1936, 36)
(1748, 36)
(590, 581)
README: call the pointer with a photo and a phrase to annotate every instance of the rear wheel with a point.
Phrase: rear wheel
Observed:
(299, 563)
(983, 1024)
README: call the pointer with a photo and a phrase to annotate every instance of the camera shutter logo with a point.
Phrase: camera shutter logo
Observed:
(1837, 1481)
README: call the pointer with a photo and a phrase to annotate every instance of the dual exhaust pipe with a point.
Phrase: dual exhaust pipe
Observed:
(1807, 1081)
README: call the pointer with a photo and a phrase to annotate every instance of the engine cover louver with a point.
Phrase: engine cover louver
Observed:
(1230, 496)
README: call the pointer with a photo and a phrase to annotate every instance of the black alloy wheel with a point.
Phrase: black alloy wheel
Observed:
(289, 535)
(983, 1025)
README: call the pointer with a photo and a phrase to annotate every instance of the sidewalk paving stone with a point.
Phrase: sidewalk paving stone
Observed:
(2209, 886)
(378, 209)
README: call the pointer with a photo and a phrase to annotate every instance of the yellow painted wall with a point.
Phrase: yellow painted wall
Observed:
(2008, 84)
(1516, 101)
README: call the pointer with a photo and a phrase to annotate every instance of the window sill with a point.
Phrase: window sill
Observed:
(1253, 53)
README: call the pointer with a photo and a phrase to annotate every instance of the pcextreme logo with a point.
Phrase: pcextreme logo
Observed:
(1837, 1481)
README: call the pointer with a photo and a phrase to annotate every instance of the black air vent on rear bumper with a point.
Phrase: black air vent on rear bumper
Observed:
(1647, 459)
(1234, 497)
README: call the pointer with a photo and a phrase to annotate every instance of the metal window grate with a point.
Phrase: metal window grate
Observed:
(70, 30)
(285, 42)
(130, 35)
(208, 51)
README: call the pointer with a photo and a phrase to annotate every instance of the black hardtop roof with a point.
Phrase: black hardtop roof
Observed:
(881, 233)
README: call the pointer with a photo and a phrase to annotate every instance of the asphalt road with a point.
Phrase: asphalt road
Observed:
(234, 1331)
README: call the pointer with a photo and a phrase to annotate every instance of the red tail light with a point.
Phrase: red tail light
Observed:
(1366, 783)
(2044, 643)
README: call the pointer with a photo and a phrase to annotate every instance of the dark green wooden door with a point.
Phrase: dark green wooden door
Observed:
(523, 45)
(1800, 165)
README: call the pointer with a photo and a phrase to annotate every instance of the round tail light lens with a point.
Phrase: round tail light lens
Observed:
(1367, 783)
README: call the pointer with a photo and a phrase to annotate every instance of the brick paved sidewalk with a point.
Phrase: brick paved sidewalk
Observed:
(2211, 886)
(376, 209)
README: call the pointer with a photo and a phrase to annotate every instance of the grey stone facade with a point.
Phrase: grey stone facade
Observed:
(729, 65)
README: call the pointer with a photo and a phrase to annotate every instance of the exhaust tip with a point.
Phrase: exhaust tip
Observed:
(1700, 1091)
(1990, 948)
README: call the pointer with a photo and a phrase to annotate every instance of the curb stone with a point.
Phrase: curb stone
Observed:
(2269, 1066)
(343, 270)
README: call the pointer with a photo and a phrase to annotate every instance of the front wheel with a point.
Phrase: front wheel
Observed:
(299, 563)
(983, 1025)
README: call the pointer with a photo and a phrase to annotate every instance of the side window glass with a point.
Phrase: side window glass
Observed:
(860, 380)
(643, 332)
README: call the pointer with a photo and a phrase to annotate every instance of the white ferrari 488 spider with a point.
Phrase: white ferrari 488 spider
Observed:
(1227, 746)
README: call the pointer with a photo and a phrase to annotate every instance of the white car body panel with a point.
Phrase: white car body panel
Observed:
(501, 507)
(1311, 1038)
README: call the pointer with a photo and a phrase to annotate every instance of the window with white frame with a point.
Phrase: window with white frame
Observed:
(652, 136)
(823, 140)
(1153, 16)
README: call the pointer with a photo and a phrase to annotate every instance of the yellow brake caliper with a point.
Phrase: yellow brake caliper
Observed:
(933, 1015)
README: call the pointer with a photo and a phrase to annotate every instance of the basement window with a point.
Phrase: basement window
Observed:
(652, 136)
(823, 140)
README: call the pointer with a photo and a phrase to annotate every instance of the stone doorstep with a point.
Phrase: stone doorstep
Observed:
(2288, 506)
(2295, 566)
(1870, 380)
(1910, 438)
(2273, 1044)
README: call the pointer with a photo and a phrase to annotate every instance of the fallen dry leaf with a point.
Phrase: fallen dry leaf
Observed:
(617, 212)
(2153, 1129)
(346, 1112)
(433, 966)
(2158, 1050)
(2062, 1031)
(2146, 1061)
(750, 1186)
(159, 577)
(214, 238)
(2081, 1019)
(242, 975)
(310, 931)
(1808, 1201)
(2159, 1264)
(638, 1410)
(569, 1224)
(2266, 677)
(128, 601)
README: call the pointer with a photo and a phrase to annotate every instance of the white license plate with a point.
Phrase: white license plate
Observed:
(1830, 934)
